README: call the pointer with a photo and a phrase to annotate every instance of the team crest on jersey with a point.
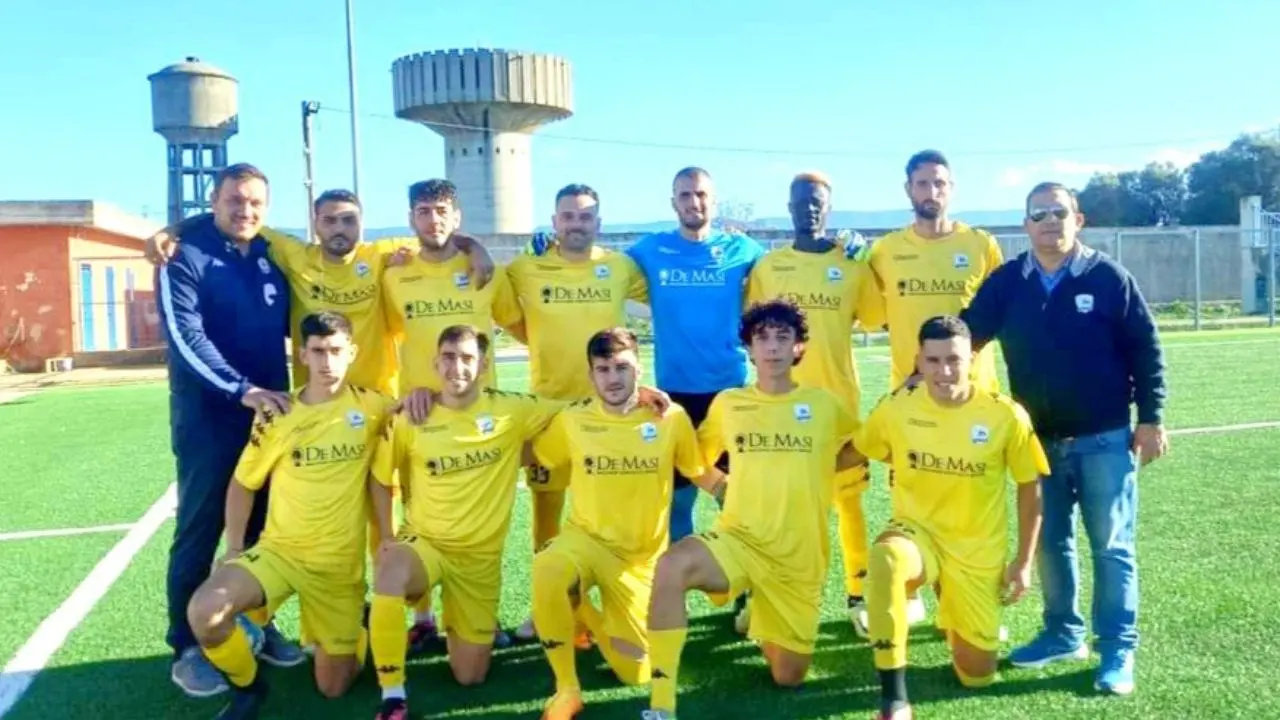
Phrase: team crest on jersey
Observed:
(355, 419)
(362, 269)
(484, 424)
(264, 266)
(1084, 303)
(602, 272)
(648, 432)
(461, 280)
(834, 274)
(802, 412)
(960, 261)
(979, 435)
(717, 252)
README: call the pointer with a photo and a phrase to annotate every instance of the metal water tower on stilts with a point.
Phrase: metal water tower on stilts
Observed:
(195, 107)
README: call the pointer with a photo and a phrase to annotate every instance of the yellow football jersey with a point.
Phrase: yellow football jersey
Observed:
(565, 303)
(353, 288)
(921, 278)
(834, 292)
(422, 298)
(782, 459)
(318, 458)
(620, 487)
(950, 466)
(458, 470)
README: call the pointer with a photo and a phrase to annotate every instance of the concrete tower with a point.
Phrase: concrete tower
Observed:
(486, 104)
(194, 106)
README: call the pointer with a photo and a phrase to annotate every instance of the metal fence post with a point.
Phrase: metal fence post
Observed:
(1196, 239)
(1271, 278)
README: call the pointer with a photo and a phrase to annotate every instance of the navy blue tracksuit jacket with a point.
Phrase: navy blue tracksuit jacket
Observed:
(225, 317)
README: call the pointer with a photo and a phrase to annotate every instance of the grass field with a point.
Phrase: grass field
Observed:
(1209, 551)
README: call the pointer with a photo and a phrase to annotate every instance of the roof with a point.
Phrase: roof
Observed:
(77, 213)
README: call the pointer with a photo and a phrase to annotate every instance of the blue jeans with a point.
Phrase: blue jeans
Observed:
(682, 502)
(1100, 474)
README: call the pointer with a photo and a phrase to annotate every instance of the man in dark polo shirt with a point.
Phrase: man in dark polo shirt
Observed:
(1081, 347)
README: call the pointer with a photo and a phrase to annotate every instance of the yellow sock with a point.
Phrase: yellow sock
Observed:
(260, 616)
(234, 658)
(553, 616)
(975, 683)
(548, 506)
(853, 529)
(665, 647)
(893, 563)
(388, 639)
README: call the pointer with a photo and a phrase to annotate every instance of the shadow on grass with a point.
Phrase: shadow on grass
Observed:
(721, 675)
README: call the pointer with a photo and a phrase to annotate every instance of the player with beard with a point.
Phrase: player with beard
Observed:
(835, 292)
(930, 268)
(568, 294)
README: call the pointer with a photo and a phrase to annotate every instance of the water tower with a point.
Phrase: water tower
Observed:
(486, 104)
(194, 106)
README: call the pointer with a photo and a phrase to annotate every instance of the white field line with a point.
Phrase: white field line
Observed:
(32, 657)
(62, 532)
(1225, 428)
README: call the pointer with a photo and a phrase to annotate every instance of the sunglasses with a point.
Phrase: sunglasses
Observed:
(1041, 214)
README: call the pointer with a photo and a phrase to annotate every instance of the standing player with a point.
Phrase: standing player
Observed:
(786, 443)
(225, 313)
(318, 457)
(951, 446)
(929, 268)
(621, 455)
(834, 292)
(572, 291)
(458, 475)
(432, 289)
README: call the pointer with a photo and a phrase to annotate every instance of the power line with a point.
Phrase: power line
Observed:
(817, 153)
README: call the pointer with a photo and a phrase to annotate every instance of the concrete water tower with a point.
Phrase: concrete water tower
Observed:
(194, 106)
(486, 104)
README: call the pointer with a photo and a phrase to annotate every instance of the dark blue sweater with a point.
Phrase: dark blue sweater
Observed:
(225, 316)
(1078, 357)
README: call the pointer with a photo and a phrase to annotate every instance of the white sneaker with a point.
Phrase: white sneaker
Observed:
(656, 715)
(742, 621)
(916, 614)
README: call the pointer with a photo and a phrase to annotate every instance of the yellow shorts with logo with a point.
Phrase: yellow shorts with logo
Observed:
(470, 587)
(783, 612)
(541, 479)
(625, 587)
(331, 609)
(969, 597)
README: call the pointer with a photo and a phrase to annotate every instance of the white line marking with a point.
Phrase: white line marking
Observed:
(1225, 428)
(1210, 343)
(62, 532)
(32, 657)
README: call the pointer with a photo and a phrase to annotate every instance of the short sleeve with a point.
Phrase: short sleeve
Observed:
(872, 439)
(846, 423)
(688, 458)
(260, 454)
(505, 308)
(755, 287)
(537, 413)
(391, 310)
(1024, 455)
(994, 256)
(710, 434)
(551, 446)
(289, 253)
(869, 308)
(393, 444)
(384, 247)
(637, 285)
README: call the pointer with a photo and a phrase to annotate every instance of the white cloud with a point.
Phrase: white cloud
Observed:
(1057, 169)
(1071, 167)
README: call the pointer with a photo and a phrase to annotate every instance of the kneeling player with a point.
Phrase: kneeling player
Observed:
(785, 445)
(950, 446)
(621, 456)
(318, 457)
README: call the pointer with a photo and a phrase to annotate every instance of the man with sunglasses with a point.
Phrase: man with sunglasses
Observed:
(1081, 346)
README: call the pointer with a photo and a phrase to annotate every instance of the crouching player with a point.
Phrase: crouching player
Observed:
(318, 457)
(620, 455)
(950, 446)
(785, 444)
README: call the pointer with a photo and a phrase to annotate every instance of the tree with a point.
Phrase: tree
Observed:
(1154, 195)
(1219, 179)
(733, 216)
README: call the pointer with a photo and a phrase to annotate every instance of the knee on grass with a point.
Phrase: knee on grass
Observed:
(334, 681)
(469, 674)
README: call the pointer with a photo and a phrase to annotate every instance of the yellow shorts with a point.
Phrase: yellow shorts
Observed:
(470, 587)
(624, 586)
(969, 597)
(541, 479)
(331, 609)
(783, 611)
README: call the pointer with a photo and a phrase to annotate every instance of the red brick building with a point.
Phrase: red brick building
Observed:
(73, 282)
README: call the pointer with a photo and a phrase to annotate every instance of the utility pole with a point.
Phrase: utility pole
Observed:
(355, 109)
(309, 110)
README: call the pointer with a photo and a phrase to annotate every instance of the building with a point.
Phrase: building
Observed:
(74, 283)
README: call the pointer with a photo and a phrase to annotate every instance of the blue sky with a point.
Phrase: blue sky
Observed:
(1013, 93)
